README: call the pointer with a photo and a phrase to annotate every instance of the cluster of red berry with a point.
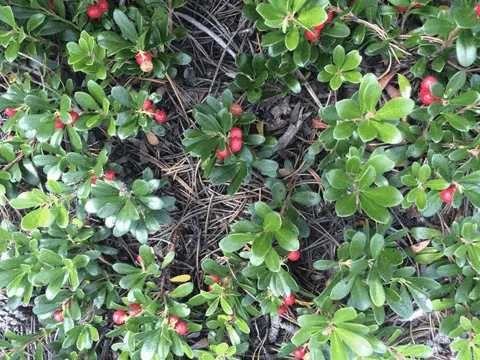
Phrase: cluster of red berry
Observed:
(96, 11)
(312, 36)
(120, 316)
(144, 59)
(425, 92)
(159, 115)
(289, 300)
(179, 326)
(235, 143)
(59, 124)
(405, 8)
(109, 175)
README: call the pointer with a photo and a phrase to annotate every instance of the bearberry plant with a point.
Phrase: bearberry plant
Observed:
(386, 145)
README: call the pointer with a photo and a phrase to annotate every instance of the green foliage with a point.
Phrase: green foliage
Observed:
(350, 186)
(259, 77)
(132, 209)
(291, 19)
(87, 56)
(259, 234)
(342, 69)
(370, 270)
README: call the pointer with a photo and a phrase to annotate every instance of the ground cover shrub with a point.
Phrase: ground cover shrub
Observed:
(81, 77)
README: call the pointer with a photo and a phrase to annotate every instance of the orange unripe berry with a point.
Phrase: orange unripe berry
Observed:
(236, 109)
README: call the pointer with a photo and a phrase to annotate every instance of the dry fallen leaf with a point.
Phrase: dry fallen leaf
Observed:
(384, 81)
(319, 124)
(393, 92)
(201, 344)
(181, 278)
(152, 138)
(420, 246)
(260, 127)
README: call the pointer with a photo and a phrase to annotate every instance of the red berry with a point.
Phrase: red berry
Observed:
(173, 319)
(210, 288)
(289, 300)
(416, 6)
(236, 132)
(215, 278)
(109, 174)
(299, 353)
(139, 259)
(447, 194)
(119, 317)
(10, 112)
(146, 66)
(147, 104)
(478, 10)
(143, 56)
(161, 116)
(236, 144)
(136, 309)
(401, 8)
(329, 17)
(236, 109)
(428, 82)
(74, 117)
(181, 328)
(310, 36)
(94, 12)
(58, 123)
(282, 310)
(51, 4)
(294, 255)
(427, 98)
(424, 92)
(58, 316)
(103, 5)
(223, 154)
